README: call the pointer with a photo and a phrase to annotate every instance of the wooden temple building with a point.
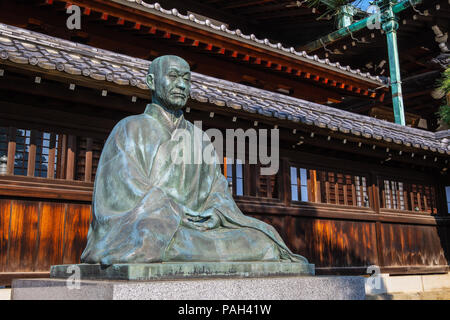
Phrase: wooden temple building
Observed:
(353, 190)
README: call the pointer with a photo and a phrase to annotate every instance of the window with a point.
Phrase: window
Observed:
(3, 142)
(326, 186)
(394, 195)
(299, 184)
(234, 172)
(362, 198)
(447, 193)
(22, 148)
(36, 144)
(400, 195)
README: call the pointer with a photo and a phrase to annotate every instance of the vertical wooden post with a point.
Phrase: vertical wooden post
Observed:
(225, 167)
(258, 179)
(419, 200)
(411, 195)
(355, 201)
(71, 149)
(285, 181)
(375, 190)
(62, 155)
(405, 200)
(345, 194)
(314, 191)
(327, 190)
(361, 193)
(269, 186)
(11, 150)
(51, 157)
(32, 154)
(318, 189)
(88, 161)
(336, 188)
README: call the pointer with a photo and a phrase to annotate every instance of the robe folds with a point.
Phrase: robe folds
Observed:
(141, 195)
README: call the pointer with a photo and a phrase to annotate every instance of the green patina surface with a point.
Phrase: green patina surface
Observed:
(159, 271)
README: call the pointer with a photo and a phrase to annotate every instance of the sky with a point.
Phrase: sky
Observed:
(362, 4)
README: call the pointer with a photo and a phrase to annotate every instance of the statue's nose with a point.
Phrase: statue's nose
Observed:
(180, 84)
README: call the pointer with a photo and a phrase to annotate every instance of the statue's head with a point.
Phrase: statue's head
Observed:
(169, 79)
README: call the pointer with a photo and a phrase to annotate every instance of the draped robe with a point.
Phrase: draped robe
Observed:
(141, 195)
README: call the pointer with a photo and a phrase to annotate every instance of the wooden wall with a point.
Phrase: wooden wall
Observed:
(37, 234)
(344, 246)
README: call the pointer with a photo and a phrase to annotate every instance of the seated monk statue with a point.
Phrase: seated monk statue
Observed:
(147, 209)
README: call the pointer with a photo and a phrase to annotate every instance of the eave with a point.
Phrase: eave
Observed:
(187, 31)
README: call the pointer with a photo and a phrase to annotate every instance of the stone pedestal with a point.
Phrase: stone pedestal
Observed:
(195, 280)
(184, 270)
(267, 288)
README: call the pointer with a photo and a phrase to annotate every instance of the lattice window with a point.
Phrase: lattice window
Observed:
(400, 195)
(22, 149)
(86, 145)
(362, 197)
(326, 186)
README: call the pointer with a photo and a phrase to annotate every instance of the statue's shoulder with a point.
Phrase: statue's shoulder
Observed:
(135, 123)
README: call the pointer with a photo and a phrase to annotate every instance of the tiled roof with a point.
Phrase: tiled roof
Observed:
(252, 39)
(24, 47)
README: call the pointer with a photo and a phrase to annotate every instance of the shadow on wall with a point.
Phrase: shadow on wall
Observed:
(334, 246)
(348, 247)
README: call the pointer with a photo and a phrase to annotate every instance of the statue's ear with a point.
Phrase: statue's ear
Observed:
(150, 80)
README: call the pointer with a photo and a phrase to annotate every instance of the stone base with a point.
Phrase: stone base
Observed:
(266, 288)
(160, 271)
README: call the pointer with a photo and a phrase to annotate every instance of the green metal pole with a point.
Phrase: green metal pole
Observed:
(390, 26)
(354, 27)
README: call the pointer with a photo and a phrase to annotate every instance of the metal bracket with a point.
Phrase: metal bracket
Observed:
(325, 48)
(416, 10)
(353, 38)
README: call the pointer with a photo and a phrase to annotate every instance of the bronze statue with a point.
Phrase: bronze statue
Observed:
(148, 209)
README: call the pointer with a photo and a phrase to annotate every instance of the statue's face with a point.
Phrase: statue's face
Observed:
(172, 83)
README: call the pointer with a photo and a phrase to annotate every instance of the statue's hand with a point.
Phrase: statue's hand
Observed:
(204, 221)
